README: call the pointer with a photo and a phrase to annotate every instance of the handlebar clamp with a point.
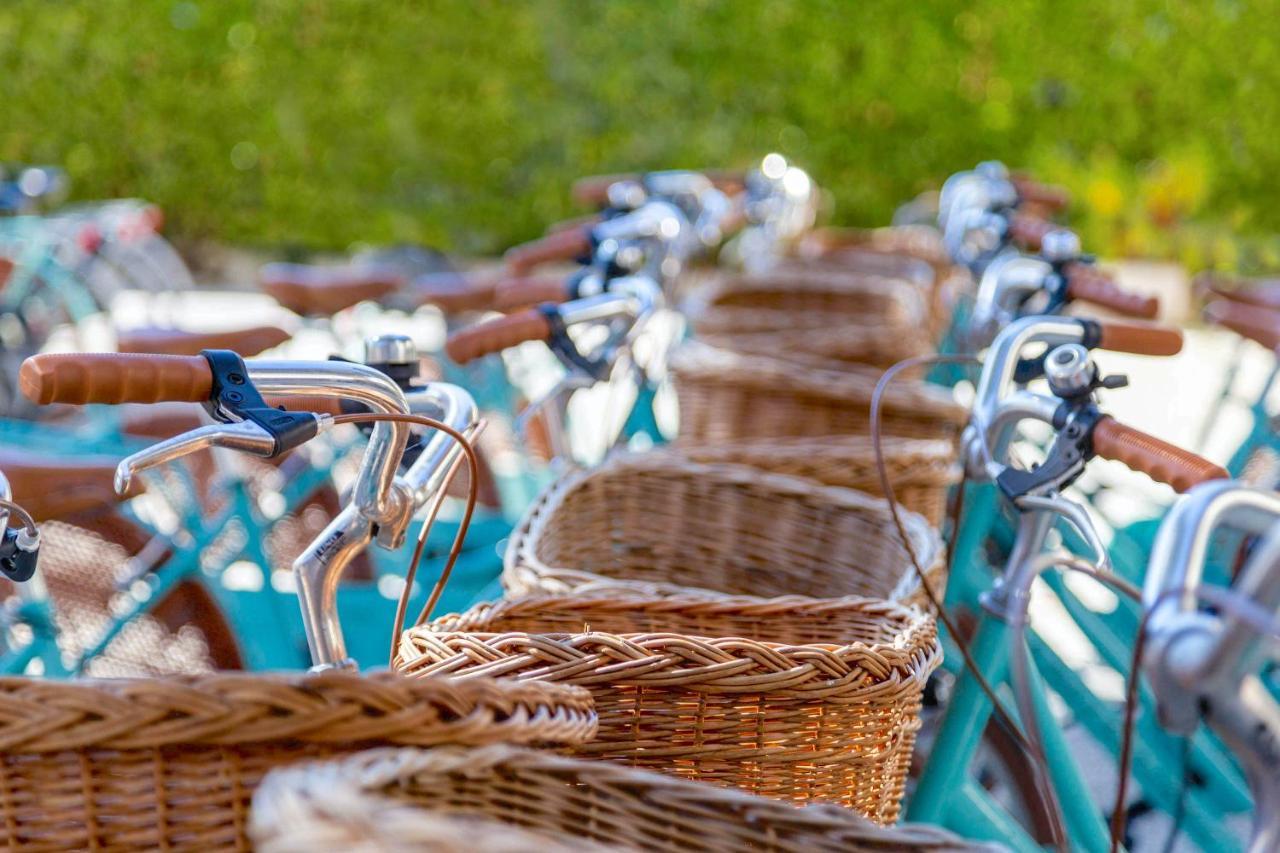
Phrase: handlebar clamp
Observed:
(234, 398)
(19, 552)
(563, 346)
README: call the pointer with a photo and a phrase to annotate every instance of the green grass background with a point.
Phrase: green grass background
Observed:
(322, 123)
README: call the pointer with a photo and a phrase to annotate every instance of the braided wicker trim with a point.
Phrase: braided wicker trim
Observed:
(331, 707)
(525, 572)
(908, 304)
(829, 346)
(399, 798)
(910, 461)
(861, 667)
(695, 361)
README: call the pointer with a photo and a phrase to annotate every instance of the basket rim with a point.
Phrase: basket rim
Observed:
(521, 554)
(913, 650)
(233, 708)
(695, 359)
(303, 790)
(918, 461)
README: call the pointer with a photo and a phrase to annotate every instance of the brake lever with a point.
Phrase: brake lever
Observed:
(1075, 515)
(244, 436)
(556, 401)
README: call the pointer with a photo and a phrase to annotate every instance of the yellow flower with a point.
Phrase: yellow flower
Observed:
(1104, 197)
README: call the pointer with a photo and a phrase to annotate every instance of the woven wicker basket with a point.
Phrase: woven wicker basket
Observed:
(733, 304)
(830, 347)
(916, 241)
(497, 799)
(853, 249)
(172, 763)
(661, 523)
(820, 703)
(726, 396)
(921, 471)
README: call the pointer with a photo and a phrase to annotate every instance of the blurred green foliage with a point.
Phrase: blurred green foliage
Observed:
(320, 123)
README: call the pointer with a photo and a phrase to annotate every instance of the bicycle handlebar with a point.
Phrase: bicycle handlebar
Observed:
(1086, 283)
(564, 245)
(454, 292)
(523, 291)
(1158, 459)
(1030, 231)
(114, 378)
(1050, 196)
(497, 334)
(1138, 338)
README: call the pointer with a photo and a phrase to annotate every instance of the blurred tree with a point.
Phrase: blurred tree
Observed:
(321, 123)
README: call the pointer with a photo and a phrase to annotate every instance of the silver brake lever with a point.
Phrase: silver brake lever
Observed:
(1076, 516)
(246, 437)
(555, 402)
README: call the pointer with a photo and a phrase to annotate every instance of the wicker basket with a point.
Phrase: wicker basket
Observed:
(172, 763)
(734, 304)
(661, 523)
(916, 241)
(726, 396)
(497, 799)
(921, 471)
(855, 249)
(830, 347)
(820, 703)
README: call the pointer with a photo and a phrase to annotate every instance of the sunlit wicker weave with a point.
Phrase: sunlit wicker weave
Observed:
(809, 299)
(661, 523)
(921, 471)
(496, 799)
(172, 763)
(848, 248)
(831, 347)
(917, 241)
(727, 395)
(821, 703)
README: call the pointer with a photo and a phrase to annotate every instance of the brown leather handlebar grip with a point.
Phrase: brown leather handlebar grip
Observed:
(1264, 292)
(321, 404)
(497, 334)
(1029, 231)
(1253, 322)
(524, 291)
(576, 222)
(593, 190)
(1159, 460)
(107, 377)
(1139, 338)
(1050, 196)
(454, 292)
(561, 246)
(1086, 283)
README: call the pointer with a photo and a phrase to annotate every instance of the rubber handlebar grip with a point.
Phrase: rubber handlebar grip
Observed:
(1030, 231)
(112, 378)
(562, 245)
(1159, 460)
(1139, 338)
(453, 292)
(1049, 196)
(497, 334)
(1086, 283)
(523, 291)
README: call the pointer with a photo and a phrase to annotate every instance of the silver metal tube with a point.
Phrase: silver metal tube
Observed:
(1006, 279)
(457, 409)
(318, 571)
(1002, 360)
(372, 488)
(1178, 552)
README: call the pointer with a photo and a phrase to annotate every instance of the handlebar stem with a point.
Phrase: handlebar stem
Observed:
(372, 491)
